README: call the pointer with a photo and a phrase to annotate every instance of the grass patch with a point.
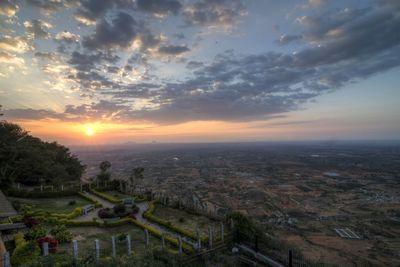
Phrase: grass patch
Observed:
(54, 205)
(183, 219)
(117, 194)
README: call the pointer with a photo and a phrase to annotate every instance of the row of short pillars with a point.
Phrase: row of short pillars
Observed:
(211, 235)
(45, 246)
(51, 187)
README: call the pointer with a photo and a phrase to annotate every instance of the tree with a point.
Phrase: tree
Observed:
(28, 160)
(104, 175)
(136, 176)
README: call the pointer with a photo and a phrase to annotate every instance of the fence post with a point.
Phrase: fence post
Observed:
(222, 233)
(52, 188)
(41, 187)
(75, 249)
(232, 224)
(180, 244)
(210, 236)
(290, 258)
(81, 187)
(97, 183)
(62, 187)
(128, 244)
(45, 248)
(162, 241)
(198, 239)
(6, 259)
(19, 186)
(97, 248)
(114, 252)
(146, 232)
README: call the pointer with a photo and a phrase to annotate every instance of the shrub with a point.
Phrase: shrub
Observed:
(24, 252)
(30, 222)
(72, 202)
(181, 220)
(61, 233)
(35, 232)
(119, 209)
(106, 213)
(135, 209)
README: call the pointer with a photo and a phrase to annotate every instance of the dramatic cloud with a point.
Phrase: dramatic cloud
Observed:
(7, 8)
(67, 37)
(214, 12)
(159, 7)
(121, 32)
(7, 58)
(129, 72)
(50, 6)
(286, 39)
(173, 49)
(15, 44)
(37, 29)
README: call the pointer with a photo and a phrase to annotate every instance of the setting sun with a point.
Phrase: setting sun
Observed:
(89, 131)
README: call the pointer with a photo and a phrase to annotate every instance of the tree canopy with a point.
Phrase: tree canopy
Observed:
(29, 160)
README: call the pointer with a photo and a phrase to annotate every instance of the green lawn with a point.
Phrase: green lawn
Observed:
(87, 235)
(190, 221)
(56, 205)
(117, 194)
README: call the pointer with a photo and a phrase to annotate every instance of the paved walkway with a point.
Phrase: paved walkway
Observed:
(143, 206)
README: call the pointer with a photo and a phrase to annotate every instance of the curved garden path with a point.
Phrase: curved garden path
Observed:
(143, 206)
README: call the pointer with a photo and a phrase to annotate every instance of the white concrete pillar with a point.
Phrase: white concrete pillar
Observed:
(114, 251)
(128, 244)
(62, 187)
(45, 249)
(162, 241)
(222, 233)
(6, 259)
(75, 249)
(180, 244)
(97, 248)
(146, 232)
(210, 236)
(198, 239)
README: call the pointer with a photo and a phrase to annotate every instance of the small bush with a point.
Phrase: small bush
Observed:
(106, 213)
(119, 209)
(181, 220)
(35, 233)
(61, 233)
(72, 202)
(25, 253)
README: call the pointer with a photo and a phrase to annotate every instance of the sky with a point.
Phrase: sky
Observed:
(102, 71)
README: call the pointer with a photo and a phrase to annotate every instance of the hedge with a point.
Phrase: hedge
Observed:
(149, 215)
(106, 196)
(94, 201)
(38, 194)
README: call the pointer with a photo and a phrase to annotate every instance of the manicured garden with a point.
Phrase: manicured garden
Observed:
(183, 219)
(54, 205)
